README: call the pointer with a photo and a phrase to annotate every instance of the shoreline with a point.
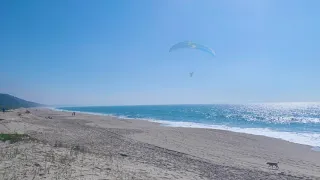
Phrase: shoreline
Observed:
(292, 137)
(147, 150)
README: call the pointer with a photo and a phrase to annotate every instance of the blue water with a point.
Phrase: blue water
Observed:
(295, 122)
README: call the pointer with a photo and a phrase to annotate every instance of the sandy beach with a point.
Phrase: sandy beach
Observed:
(62, 146)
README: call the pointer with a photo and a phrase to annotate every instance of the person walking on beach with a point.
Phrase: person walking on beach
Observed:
(3, 110)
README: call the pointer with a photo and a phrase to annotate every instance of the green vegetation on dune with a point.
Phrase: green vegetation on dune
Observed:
(10, 102)
(12, 137)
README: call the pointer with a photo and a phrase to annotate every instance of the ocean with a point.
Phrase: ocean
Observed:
(294, 122)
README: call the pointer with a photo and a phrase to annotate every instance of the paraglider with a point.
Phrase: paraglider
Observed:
(192, 45)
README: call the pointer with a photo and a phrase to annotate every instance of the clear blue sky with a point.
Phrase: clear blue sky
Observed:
(113, 52)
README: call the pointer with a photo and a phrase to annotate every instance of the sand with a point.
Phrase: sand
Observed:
(102, 147)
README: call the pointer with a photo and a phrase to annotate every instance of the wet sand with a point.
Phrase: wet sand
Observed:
(102, 147)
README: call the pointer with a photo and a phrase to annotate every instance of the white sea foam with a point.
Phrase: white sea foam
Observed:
(84, 112)
(312, 139)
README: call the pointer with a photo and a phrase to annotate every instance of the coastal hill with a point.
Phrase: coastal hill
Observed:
(11, 102)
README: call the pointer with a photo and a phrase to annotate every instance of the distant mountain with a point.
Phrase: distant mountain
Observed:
(10, 102)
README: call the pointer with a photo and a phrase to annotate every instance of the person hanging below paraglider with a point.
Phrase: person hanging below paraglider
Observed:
(191, 74)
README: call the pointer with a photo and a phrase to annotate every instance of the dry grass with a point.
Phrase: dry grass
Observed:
(34, 160)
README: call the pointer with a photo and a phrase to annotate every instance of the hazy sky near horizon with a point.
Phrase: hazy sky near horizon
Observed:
(115, 52)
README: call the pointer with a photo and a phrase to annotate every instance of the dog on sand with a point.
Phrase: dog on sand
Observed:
(273, 164)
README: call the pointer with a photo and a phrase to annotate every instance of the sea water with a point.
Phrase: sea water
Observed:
(294, 122)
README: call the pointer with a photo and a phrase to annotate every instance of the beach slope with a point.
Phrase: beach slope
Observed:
(62, 146)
